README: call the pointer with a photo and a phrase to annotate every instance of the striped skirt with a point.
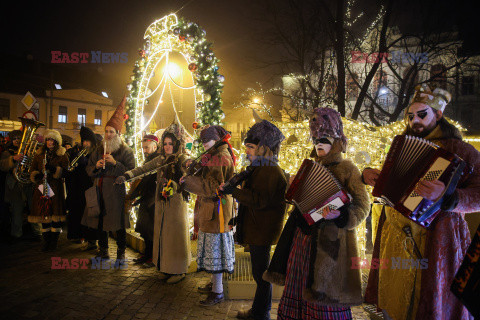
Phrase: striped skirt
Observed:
(292, 306)
(216, 252)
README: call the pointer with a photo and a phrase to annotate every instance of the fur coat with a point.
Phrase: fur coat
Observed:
(58, 209)
(333, 280)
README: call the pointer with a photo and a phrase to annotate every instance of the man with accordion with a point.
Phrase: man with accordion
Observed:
(437, 233)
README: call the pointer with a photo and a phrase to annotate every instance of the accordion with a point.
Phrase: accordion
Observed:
(466, 284)
(314, 190)
(410, 160)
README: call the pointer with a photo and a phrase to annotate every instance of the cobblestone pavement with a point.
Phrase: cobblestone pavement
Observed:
(30, 289)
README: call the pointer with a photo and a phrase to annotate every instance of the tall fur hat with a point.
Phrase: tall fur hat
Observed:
(116, 121)
(436, 99)
(53, 134)
(86, 134)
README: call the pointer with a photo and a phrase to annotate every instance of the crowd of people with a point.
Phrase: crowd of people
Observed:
(312, 261)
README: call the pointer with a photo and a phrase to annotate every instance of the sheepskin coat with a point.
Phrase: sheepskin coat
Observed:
(334, 282)
(111, 196)
(58, 209)
(217, 168)
(171, 241)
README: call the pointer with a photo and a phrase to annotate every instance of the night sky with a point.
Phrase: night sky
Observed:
(232, 25)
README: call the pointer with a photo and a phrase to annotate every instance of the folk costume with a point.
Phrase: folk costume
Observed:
(417, 293)
(262, 210)
(171, 241)
(314, 262)
(49, 210)
(216, 250)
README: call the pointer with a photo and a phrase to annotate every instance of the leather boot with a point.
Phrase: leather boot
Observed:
(103, 254)
(46, 240)
(53, 241)
(121, 255)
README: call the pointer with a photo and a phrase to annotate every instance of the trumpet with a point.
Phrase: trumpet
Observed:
(74, 162)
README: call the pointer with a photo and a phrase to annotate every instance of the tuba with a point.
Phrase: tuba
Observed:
(27, 147)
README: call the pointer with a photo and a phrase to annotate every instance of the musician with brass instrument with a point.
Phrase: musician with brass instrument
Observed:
(77, 182)
(171, 242)
(261, 210)
(48, 198)
(424, 293)
(18, 195)
(314, 261)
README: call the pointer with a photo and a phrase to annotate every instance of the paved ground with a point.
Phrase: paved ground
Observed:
(30, 289)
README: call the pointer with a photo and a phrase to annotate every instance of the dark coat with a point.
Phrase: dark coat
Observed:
(77, 182)
(58, 210)
(262, 206)
(145, 192)
(111, 196)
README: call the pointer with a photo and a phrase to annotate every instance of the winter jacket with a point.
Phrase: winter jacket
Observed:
(217, 169)
(262, 206)
(58, 210)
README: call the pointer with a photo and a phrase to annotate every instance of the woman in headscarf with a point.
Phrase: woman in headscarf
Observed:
(171, 242)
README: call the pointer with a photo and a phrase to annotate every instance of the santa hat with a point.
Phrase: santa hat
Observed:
(116, 121)
(436, 99)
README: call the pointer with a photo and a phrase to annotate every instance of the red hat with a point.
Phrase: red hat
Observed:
(150, 137)
(116, 121)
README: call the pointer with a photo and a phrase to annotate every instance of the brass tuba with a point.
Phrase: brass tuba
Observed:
(27, 147)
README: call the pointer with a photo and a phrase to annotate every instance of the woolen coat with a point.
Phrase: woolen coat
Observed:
(217, 169)
(111, 196)
(58, 210)
(171, 241)
(262, 206)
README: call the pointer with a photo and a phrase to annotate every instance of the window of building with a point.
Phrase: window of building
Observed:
(380, 81)
(62, 114)
(330, 88)
(98, 118)
(411, 76)
(4, 109)
(352, 87)
(82, 116)
(438, 73)
(468, 85)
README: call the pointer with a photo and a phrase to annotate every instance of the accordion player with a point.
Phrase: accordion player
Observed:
(315, 190)
(410, 160)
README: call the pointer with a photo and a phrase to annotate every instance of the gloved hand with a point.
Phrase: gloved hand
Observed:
(50, 168)
(120, 180)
